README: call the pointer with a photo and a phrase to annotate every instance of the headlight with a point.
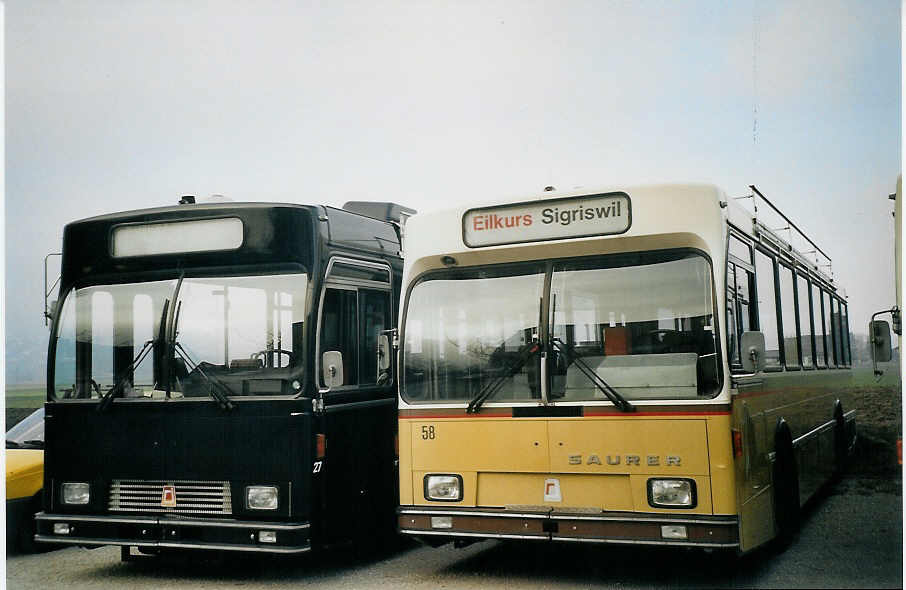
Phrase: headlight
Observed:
(671, 493)
(76, 493)
(261, 497)
(444, 488)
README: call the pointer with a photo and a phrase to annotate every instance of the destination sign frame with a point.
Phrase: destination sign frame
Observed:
(562, 218)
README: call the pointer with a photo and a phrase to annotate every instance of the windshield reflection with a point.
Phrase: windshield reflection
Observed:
(641, 323)
(468, 330)
(244, 331)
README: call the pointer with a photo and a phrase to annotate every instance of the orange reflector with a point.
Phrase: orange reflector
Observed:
(899, 451)
(320, 446)
(737, 443)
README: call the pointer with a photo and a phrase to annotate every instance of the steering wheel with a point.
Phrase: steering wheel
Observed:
(261, 353)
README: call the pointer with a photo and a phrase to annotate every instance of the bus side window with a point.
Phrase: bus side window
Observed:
(805, 323)
(374, 315)
(837, 332)
(745, 285)
(788, 316)
(818, 315)
(339, 330)
(829, 330)
(732, 321)
(739, 310)
(767, 307)
(844, 327)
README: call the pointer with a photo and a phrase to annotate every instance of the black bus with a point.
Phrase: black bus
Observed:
(219, 378)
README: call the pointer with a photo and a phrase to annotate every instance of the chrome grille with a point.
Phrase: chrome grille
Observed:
(192, 497)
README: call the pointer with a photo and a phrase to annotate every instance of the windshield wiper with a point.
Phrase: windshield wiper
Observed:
(219, 391)
(155, 343)
(11, 444)
(618, 400)
(107, 398)
(217, 386)
(493, 386)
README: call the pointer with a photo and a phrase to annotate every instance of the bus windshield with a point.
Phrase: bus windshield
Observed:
(244, 332)
(644, 323)
(465, 329)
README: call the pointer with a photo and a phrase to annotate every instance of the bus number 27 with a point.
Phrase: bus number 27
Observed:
(427, 432)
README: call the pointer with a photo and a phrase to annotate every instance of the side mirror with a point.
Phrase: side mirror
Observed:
(752, 352)
(383, 352)
(880, 341)
(332, 368)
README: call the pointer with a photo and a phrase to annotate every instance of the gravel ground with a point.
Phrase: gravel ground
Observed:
(851, 537)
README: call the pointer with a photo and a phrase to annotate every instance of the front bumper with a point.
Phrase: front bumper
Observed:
(173, 533)
(548, 525)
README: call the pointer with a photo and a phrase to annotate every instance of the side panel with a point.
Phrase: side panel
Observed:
(720, 454)
(805, 400)
(358, 470)
(405, 465)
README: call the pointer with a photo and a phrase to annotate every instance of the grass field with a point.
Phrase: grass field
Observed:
(22, 400)
(25, 396)
(890, 378)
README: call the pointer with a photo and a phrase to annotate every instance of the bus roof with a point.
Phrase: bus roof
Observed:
(690, 209)
(692, 215)
(269, 234)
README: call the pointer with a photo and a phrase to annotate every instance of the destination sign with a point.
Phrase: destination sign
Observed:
(554, 219)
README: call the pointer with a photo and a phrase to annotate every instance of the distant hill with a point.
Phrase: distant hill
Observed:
(26, 359)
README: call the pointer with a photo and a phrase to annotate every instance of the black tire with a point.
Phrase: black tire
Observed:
(786, 492)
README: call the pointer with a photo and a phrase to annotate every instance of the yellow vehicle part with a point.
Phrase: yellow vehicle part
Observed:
(599, 462)
(24, 472)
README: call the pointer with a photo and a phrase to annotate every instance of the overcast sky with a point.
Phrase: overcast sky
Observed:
(125, 104)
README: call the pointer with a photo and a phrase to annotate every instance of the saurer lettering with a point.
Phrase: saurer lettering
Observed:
(652, 460)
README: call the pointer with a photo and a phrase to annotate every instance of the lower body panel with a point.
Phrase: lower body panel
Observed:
(173, 533)
(606, 527)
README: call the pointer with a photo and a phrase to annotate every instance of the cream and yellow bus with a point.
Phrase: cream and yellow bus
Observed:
(658, 365)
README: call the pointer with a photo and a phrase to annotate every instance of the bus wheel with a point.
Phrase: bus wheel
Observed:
(786, 491)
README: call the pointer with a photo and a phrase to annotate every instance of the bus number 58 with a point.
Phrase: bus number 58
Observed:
(427, 432)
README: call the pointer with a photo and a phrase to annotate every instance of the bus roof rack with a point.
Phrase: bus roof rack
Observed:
(379, 210)
(823, 268)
